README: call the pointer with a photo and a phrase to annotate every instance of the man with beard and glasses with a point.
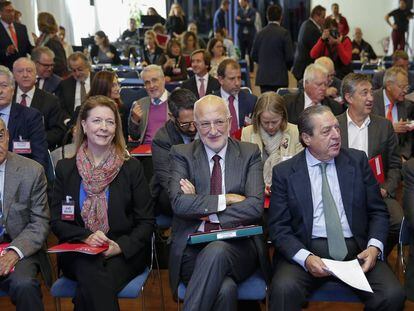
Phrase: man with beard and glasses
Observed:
(179, 129)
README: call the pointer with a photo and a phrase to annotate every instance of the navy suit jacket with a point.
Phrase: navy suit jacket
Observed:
(247, 102)
(51, 84)
(191, 84)
(273, 51)
(243, 23)
(291, 210)
(27, 123)
(23, 44)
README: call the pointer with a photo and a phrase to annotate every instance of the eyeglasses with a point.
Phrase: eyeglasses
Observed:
(219, 124)
(2, 135)
(108, 123)
(186, 125)
(46, 65)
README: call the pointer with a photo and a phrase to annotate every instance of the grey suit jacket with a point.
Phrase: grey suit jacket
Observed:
(137, 130)
(25, 208)
(381, 141)
(405, 111)
(243, 175)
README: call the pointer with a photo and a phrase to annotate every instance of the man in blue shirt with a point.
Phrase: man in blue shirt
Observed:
(326, 203)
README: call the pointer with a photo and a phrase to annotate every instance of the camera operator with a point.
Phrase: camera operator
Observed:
(336, 47)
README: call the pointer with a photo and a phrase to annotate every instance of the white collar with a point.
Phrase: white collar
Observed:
(366, 122)
(211, 153)
(29, 94)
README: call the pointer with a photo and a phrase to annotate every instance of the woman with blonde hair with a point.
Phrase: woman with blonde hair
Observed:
(216, 49)
(278, 140)
(112, 208)
(48, 28)
(176, 22)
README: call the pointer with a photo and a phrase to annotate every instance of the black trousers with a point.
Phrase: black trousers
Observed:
(211, 272)
(99, 279)
(292, 285)
(246, 44)
(23, 287)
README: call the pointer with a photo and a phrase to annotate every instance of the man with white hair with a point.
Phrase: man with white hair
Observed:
(315, 85)
(216, 183)
(149, 113)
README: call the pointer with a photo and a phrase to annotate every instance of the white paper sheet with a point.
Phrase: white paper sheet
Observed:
(349, 272)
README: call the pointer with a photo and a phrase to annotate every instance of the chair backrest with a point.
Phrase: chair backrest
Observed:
(131, 94)
(405, 232)
(285, 90)
(369, 66)
(246, 89)
(130, 74)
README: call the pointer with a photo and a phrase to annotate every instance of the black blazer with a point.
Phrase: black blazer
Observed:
(273, 51)
(27, 123)
(23, 43)
(51, 84)
(49, 106)
(191, 84)
(309, 34)
(176, 24)
(130, 209)
(61, 66)
(66, 93)
(157, 55)
(295, 104)
(116, 60)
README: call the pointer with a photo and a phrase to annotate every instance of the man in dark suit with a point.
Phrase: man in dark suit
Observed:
(72, 91)
(47, 81)
(14, 41)
(179, 129)
(309, 33)
(25, 125)
(246, 31)
(313, 93)
(326, 203)
(202, 83)
(241, 104)
(216, 182)
(389, 102)
(375, 136)
(273, 51)
(27, 94)
(25, 225)
(219, 20)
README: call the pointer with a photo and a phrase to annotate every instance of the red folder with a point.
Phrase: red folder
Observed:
(141, 150)
(78, 247)
(377, 168)
(237, 134)
(162, 39)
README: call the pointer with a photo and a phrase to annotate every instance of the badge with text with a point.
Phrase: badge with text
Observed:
(22, 146)
(68, 209)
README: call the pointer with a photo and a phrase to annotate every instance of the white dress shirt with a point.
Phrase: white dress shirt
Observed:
(387, 103)
(358, 136)
(308, 101)
(29, 96)
(226, 96)
(78, 91)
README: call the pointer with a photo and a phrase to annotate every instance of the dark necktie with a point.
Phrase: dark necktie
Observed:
(38, 82)
(202, 89)
(83, 92)
(215, 189)
(234, 126)
(23, 101)
(336, 241)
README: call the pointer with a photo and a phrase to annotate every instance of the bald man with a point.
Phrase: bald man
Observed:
(27, 94)
(359, 46)
(216, 182)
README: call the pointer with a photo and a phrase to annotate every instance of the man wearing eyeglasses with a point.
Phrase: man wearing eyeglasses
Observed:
(179, 129)
(215, 183)
(24, 223)
(46, 80)
(150, 113)
(389, 102)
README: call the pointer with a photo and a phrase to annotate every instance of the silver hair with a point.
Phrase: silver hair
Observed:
(4, 71)
(153, 67)
(391, 74)
(210, 98)
(311, 70)
(37, 53)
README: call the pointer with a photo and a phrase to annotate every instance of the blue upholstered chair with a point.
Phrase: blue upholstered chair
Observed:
(253, 288)
(285, 90)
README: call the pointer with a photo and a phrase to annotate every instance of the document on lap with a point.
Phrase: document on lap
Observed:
(349, 272)
(79, 248)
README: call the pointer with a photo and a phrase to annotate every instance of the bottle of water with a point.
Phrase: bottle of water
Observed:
(131, 62)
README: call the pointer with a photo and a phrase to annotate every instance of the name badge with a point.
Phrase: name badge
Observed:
(247, 121)
(176, 71)
(68, 209)
(22, 147)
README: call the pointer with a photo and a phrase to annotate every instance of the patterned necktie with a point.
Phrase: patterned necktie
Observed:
(234, 126)
(13, 35)
(23, 101)
(156, 101)
(202, 89)
(83, 91)
(336, 241)
(389, 112)
(215, 189)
